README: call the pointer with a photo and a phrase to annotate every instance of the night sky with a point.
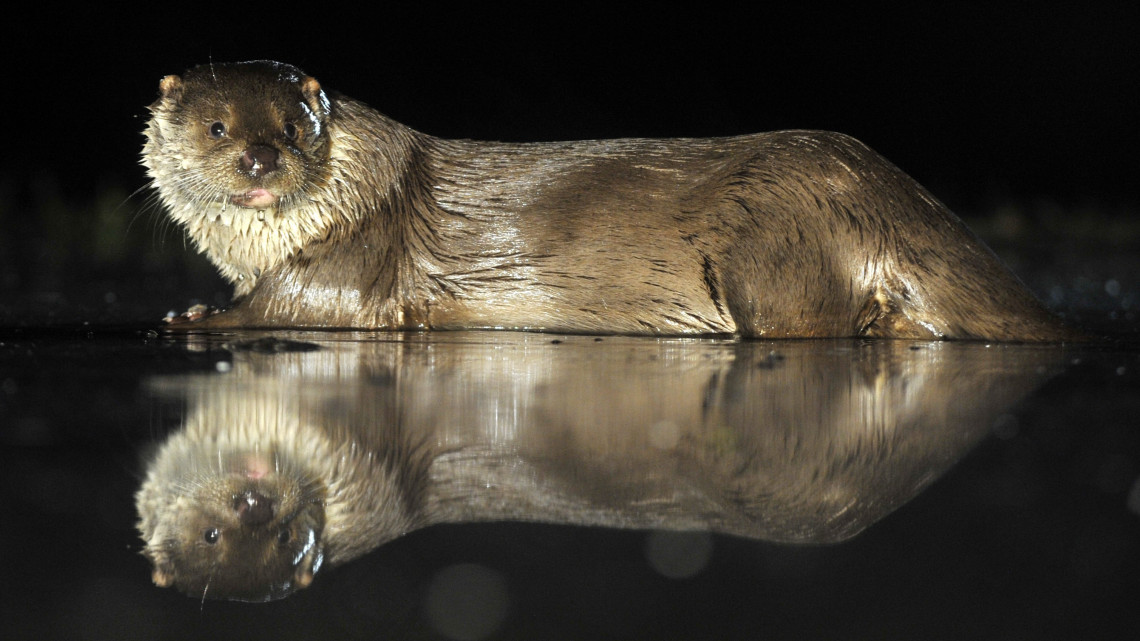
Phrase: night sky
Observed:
(983, 105)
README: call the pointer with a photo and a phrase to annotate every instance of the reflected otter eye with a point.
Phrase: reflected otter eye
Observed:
(218, 129)
(284, 535)
(211, 535)
(290, 131)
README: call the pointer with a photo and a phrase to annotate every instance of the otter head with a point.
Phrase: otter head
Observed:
(238, 526)
(236, 151)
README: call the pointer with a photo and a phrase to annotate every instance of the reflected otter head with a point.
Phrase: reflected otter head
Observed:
(242, 526)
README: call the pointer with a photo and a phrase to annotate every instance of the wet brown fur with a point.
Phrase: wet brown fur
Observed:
(378, 226)
(331, 490)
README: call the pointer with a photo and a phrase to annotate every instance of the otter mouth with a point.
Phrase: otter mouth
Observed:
(255, 199)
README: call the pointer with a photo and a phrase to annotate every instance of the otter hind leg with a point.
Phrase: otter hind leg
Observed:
(884, 315)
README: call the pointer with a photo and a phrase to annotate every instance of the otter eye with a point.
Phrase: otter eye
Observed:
(211, 535)
(284, 535)
(218, 129)
(290, 131)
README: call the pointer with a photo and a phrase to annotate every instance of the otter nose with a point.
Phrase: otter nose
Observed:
(259, 160)
(253, 508)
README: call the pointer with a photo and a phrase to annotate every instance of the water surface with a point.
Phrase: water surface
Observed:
(655, 488)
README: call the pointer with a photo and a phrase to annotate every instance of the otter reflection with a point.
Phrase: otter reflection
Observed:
(297, 460)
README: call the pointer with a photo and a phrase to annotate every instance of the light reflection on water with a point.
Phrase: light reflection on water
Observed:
(792, 441)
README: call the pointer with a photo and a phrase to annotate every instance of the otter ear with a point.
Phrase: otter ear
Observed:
(170, 88)
(163, 575)
(314, 97)
(303, 578)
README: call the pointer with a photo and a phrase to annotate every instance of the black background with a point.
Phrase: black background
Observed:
(983, 104)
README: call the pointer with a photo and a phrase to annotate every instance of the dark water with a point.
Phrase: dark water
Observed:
(988, 491)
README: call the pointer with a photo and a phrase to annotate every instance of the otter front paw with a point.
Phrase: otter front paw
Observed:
(194, 314)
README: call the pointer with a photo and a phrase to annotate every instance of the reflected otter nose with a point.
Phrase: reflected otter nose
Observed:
(253, 508)
(259, 160)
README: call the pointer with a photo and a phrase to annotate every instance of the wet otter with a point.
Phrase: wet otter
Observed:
(251, 498)
(324, 213)
(298, 461)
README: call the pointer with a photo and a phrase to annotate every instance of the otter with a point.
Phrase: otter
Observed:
(298, 461)
(323, 213)
(250, 500)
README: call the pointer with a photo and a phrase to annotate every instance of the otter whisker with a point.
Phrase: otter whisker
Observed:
(205, 590)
